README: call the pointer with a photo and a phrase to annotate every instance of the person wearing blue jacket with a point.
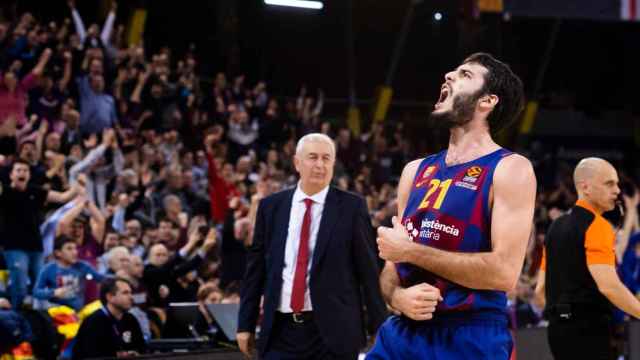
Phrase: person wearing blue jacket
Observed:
(63, 280)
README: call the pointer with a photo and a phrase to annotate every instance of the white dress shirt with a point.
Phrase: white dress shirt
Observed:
(298, 209)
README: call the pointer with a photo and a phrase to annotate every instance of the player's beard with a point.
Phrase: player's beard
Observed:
(461, 113)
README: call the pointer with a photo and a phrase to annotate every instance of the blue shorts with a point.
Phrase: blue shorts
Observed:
(442, 339)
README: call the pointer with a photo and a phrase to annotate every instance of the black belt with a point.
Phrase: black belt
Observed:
(298, 318)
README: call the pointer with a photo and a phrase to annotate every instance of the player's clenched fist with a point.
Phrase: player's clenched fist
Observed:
(417, 302)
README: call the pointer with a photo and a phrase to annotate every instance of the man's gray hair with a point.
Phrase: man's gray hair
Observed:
(118, 250)
(170, 197)
(315, 137)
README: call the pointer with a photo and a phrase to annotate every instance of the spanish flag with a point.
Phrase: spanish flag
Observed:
(67, 322)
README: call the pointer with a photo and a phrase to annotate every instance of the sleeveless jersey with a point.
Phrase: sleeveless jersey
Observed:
(448, 209)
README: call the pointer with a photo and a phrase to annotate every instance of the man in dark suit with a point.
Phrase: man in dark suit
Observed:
(313, 258)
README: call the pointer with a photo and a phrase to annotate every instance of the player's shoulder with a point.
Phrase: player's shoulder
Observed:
(510, 159)
(412, 166)
(409, 173)
(514, 165)
(514, 175)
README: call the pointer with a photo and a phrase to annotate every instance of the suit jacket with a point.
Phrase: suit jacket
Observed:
(343, 276)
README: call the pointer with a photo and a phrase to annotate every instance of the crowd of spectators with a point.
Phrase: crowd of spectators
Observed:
(119, 162)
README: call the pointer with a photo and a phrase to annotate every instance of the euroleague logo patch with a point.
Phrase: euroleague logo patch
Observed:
(471, 177)
(474, 171)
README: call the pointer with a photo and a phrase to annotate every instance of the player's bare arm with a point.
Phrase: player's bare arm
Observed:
(514, 190)
(389, 280)
(417, 302)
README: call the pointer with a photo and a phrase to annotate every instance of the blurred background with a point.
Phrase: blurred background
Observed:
(206, 99)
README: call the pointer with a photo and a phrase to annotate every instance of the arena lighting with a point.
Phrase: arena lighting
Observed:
(437, 16)
(317, 5)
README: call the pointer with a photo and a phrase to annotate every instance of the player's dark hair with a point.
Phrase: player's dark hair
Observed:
(507, 86)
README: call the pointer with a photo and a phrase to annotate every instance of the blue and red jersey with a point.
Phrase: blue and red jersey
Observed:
(448, 208)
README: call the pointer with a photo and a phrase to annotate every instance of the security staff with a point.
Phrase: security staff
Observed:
(578, 279)
(111, 331)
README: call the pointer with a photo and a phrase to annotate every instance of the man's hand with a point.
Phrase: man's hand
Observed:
(58, 159)
(80, 200)
(214, 137)
(82, 179)
(107, 137)
(63, 292)
(5, 304)
(210, 240)
(146, 177)
(417, 302)
(91, 141)
(394, 243)
(193, 240)
(16, 66)
(183, 220)
(114, 140)
(247, 343)
(44, 127)
(163, 291)
(209, 141)
(67, 56)
(631, 201)
(122, 76)
(46, 54)
(79, 188)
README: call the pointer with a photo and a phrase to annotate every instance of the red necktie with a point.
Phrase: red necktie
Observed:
(300, 277)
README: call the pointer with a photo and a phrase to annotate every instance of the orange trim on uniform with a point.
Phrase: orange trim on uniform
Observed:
(586, 205)
(543, 261)
(599, 242)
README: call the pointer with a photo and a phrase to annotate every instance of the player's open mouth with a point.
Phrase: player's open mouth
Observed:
(444, 94)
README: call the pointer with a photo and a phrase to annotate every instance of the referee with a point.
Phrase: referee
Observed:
(578, 279)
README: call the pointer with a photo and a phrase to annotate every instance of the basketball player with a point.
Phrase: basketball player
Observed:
(465, 218)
